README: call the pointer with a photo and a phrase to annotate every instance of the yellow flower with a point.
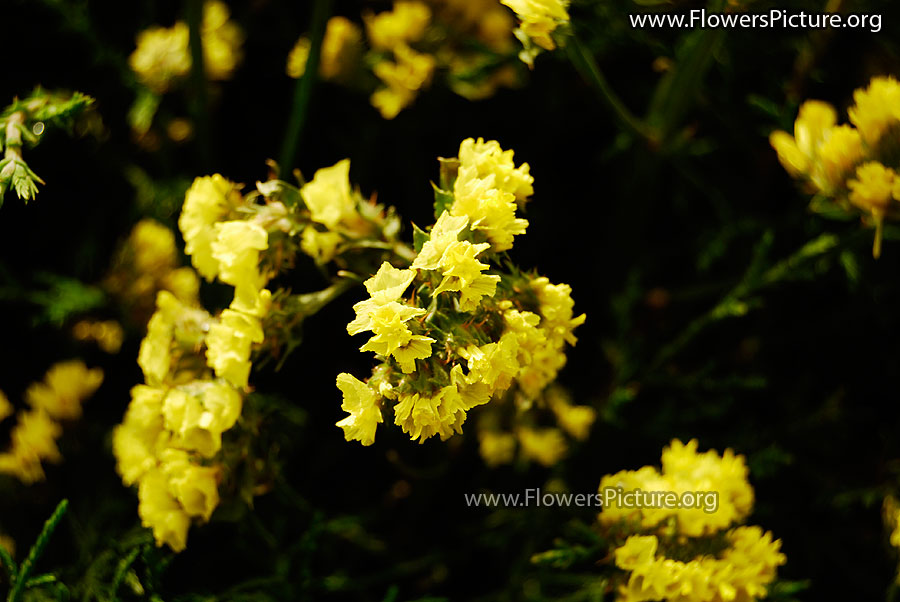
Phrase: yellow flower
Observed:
(406, 23)
(838, 154)
(556, 309)
(321, 246)
(6, 408)
(489, 209)
(361, 403)
(493, 364)
(184, 284)
(877, 107)
(228, 346)
(33, 439)
(422, 417)
(392, 336)
(539, 18)
(462, 272)
(339, 49)
(489, 159)
(444, 233)
(237, 248)
(637, 551)
(208, 200)
(814, 124)
(198, 413)
(173, 322)
(403, 78)
(872, 188)
(496, 448)
(65, 386)
(196, 488)
(161, 56)
(161, 512)
(386, 286)
(136, 442)
(222, 41)
(328, 196)
(546, 446)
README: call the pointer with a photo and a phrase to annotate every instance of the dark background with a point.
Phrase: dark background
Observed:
(804, 385)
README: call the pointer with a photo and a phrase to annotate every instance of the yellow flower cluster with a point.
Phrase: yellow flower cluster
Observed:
(697, 554)
(544, 445)
(146, 263)
(341, 47)
(163, 57)
(683, 469)
(891, 513)
(538, 19)
(742, 571)
(197, 366)
(58, 398)
(854, 167)
(452, 330)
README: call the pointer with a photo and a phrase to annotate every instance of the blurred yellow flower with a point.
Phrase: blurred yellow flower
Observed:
(65, 386)
(405, 24)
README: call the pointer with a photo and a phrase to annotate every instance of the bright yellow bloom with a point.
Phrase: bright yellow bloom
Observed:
(637, 551)
(493, 364)
(489, 159)
(222, 41)
(403, 78)
(198, 413)
(6, 408)
(422, 417)
(872, 188)
(496, 448)
(463, 273)
(393, 337)
(877, 107)
(405, 24)
(137, 441)
(237, 247)
(386, 286)
(65, 386)
(683, 469)
(539, 18)
(196, 488)
(328, 196)
(184, 284)
(172, 323)
(228, 346)
(161, 512)
(361, 403)
(557, 309)
(813, 127)
(547, 446)
(838, 155)
(161, 56)
(444, 233)
(489, 209)
(339, 49)
(208, 200)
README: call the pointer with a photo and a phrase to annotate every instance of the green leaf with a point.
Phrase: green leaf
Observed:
(420, 237)
(443, 200)
(140, 115)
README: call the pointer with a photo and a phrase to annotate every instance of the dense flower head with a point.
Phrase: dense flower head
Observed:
(456, 328)
(677, 554)
(850, 168)
(742, 571)
(209, 200)
(683, 470)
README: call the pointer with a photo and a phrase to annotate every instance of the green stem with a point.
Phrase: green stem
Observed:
(200, 96)
(304, 87)
(586, 65)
